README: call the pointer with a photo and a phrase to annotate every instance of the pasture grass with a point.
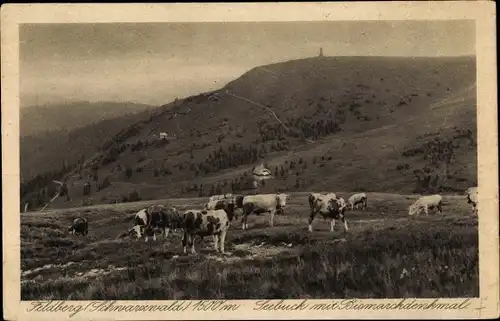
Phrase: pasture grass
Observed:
(381, 256)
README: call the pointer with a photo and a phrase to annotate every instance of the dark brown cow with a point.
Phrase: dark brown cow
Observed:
(80, 226)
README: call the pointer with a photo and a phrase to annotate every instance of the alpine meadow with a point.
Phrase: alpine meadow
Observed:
(304, 139)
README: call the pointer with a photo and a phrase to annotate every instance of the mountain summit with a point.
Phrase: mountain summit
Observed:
(382, 124)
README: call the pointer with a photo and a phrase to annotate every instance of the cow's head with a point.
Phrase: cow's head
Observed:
(342, 204)
(178, 216)
(229, 206)
(412, 210)
(137, 231)
(281, 202)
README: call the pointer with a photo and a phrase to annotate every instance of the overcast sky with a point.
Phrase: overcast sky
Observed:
(154, 63)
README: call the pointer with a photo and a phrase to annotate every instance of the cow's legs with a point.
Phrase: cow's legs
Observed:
(332, 225)
(191, 242)
(165, 232)
(184, 241)
(154, 236)
(244, 224)
(216, 242)
(311, 218)
(345, 223)
(440, 209)
(222, 240)
(271, 217)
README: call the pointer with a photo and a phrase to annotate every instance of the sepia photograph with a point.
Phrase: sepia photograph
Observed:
(249, 160)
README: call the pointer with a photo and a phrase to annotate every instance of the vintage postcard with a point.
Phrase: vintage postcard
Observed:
(250, 161)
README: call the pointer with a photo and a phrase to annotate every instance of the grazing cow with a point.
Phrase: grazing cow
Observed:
(80, 226)
(426, 202)
(314, 196)
(205, 223)
(358, 199)
(263, 203)
(329, 207)
(219, 197)
(472, 198)
(149, 219)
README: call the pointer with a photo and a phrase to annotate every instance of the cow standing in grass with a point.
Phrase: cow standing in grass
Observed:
(329, 207)
(80, 226)
(263, 203)
(425, 203)
(207, 222)
(358, 199)
(472, 198)
(147, 220)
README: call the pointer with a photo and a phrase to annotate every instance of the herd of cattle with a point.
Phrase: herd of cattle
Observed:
(214, 220)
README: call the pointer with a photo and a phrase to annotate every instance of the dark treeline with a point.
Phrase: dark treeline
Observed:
(438, 155)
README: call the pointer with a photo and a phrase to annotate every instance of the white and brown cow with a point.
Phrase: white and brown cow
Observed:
(263, 203)
(329, 207)
(358, 199)
(471, 194)
(154, 217)
(80, 226)
(203, 223)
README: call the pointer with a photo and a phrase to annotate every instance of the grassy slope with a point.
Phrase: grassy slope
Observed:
(385, 254)
(46, 151)
(389, 105)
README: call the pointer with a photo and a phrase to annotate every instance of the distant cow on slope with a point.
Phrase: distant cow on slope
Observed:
(214, 198)
(154, 217)
(263, 203)
(425, 203)
(329, 207)
(358, 199)
(80, 226)
(205, 223)
(471, 194)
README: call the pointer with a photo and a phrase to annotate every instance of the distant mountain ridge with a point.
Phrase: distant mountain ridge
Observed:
(68, 116)
(350, 124)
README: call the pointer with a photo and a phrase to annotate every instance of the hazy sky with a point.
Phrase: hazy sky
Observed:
(154, 63)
